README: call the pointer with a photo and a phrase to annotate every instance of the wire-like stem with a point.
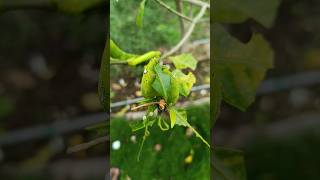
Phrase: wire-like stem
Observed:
(173, 11)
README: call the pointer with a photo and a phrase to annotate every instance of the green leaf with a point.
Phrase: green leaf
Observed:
(234, 11)
(173, 117)
(103, 86)
(173, 93)
(139, 19)
(184, 61)
(185, 81)
(179, 117)
(162, 82)
(239, 68)
(228, 165)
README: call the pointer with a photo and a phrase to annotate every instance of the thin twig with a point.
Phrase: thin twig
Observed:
(188, 34)
(144, 105)
(173, 11)
(87, 145)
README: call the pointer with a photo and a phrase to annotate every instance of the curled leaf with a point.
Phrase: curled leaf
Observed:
(148, 78)
(185, 81)
(173, 93)
(184, 61)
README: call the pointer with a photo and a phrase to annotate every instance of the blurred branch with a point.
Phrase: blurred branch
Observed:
(188, 33)
(84, 146)
(198, 3)
(179, 9)
(173, 11)
(51, 130)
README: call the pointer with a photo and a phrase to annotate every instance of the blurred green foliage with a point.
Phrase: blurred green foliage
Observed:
(159, 28)
(6, 106)
(169, 162)
(228, 164)
(295, 158)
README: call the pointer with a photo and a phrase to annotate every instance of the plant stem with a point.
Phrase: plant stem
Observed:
(188, 34)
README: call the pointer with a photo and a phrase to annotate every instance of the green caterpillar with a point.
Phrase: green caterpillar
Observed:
(145, 57)
(118, 55)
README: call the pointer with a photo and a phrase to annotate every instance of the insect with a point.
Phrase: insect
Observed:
(162, 105)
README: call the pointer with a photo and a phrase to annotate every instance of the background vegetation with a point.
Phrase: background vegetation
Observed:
(65, 88)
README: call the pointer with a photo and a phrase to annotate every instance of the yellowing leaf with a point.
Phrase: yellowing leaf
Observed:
(148, 78)
(239, 68)
(185, 81)
(184, 61)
